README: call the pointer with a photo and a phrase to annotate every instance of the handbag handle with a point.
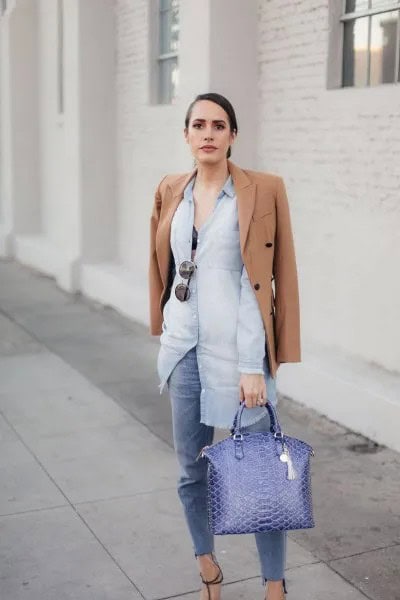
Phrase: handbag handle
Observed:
(275, 425)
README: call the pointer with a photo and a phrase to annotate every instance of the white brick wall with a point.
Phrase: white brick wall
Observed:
(338, 151)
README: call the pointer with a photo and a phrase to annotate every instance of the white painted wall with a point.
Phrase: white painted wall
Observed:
(6, 213)
(54, 245)
(336, 150)
(55, 211)
(148, 136)
(72, 219)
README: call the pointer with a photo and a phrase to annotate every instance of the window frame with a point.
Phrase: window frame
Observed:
(158, 57)
(337, 19)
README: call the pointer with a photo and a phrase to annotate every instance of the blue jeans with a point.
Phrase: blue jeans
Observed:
(189, 438)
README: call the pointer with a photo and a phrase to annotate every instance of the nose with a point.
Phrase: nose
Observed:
(208, 133)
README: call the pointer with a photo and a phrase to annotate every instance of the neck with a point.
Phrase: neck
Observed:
(211, 175)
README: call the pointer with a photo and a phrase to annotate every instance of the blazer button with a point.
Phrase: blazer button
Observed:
(256, 286)
(268, 244)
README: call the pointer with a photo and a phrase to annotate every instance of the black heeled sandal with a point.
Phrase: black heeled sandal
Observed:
(218, 579)
(284, 588)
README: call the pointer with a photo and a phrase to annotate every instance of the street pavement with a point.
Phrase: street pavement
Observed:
(88, 502)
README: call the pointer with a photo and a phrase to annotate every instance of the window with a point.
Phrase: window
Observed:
(371, 42)
(168, 47)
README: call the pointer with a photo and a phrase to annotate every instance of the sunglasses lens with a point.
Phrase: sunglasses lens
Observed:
(182, 292)
(186, 269)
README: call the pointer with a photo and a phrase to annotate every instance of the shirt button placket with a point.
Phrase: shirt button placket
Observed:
(195, 314)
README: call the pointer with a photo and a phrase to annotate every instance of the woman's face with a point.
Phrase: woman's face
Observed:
(209, 126)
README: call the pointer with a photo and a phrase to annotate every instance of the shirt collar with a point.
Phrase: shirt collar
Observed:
(227, 189)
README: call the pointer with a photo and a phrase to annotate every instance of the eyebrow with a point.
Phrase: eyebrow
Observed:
(214, 120)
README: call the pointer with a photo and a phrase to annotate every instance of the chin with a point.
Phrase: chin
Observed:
(209, 160)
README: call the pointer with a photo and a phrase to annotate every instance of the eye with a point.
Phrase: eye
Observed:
(197, 125)
(221, 126)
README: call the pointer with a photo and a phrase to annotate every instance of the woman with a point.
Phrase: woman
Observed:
(219, 236)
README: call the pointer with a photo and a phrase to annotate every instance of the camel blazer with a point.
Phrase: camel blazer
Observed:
(267, 249)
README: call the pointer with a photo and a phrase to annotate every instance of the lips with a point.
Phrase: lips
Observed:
(208, 148)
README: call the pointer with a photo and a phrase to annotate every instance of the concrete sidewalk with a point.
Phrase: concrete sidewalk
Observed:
(88, 504)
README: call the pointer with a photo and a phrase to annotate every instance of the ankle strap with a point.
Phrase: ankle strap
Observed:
(218, 579)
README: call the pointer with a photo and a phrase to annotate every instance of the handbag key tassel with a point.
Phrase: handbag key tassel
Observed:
(291, 472)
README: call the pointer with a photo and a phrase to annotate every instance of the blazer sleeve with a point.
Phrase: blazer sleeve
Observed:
(287, 309)
(250, 329)
(154, 277)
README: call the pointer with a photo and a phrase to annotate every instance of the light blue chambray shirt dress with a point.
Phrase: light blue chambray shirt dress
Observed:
(221, 317)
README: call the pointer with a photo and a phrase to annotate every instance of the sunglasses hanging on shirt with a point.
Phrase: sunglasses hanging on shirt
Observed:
(186, 270)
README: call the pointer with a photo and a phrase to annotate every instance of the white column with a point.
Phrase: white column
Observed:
(97, 129)
(223, 60)
(20, 159)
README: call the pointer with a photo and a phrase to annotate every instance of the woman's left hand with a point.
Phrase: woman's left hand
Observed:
(253, 389)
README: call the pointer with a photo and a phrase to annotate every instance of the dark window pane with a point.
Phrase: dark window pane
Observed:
(355, 52)
(165, 4)
(174, 43)
(169, 29)
(383, 47)
(169, 79)
(356, 5)
(165, 28)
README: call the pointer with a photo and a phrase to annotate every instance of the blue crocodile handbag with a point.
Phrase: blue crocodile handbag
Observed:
(258, 481)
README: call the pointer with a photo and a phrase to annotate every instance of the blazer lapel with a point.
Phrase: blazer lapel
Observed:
(174, 195)
(245, 196)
